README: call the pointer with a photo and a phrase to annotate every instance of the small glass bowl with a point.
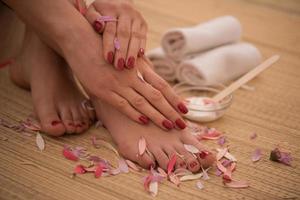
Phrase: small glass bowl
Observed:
(198, 109)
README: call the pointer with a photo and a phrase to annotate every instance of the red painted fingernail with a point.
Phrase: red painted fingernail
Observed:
(203, 154)
(97, 26)
(121, 63)
(144, 119)
(70, 124)
(182, 108)
(110, 57)
(130, 62)
(193, 164)
(141, 52)
(54, 123)
(180, 123)
(167, 124)
(78, 125)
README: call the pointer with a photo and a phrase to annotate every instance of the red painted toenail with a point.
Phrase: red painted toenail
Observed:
(83, 123)
(203, 154)
(182, 164)
(121, 63)
(110, 57)
(180, 123)
(141, 52)
(130, 62)
(182, 108)
(167, 124)
(144, 119)
(54, 123)
(78, 125)
(70, 124)
(97, 26)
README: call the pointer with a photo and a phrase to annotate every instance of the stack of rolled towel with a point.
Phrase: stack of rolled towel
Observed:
(207, 54)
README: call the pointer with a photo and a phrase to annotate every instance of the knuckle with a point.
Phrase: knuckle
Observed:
(138, 101)
(162, 85)
(156, 95)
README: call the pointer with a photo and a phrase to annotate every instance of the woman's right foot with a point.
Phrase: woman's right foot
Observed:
(127, 133)
(56, 100)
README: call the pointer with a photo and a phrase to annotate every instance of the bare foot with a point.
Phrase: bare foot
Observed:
(57, 102)
(126, 133)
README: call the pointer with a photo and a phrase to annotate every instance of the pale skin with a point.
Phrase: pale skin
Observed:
(75, 40)
(62, 96)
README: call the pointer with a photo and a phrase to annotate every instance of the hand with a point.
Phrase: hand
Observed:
(141, 100)
(128, 32)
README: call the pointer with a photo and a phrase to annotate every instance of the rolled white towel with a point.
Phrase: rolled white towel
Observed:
(216, 32)
(219, 65)
(163, 65)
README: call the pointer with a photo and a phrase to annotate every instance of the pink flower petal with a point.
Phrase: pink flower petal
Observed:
(191, 148)
(123, 166)
(205, 175)
(133, 165)
(221, 153)
(162, 172)
(69, 154)
(282, 157)
(79, 169)
(199, 185)
(98, 171)
(236, 184)
(117, 44)
(174, 179)
(256, 155)
(171, 164)
(211, 134)
(142, 146)
(221, 167)
(147, 181)
(40, 141)
(222, 140)
(140, 76)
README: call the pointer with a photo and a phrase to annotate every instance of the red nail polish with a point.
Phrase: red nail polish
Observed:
(78, 125)
(130, 62)
(182, 164)
(121, 63)
(70, 124)
(83, 123)
(97, 26)
(180, 123)
(54, 123)
(203, 154)
(141, 52)
(182, 108)
(110, 57)
(144, 119)
(167, 124)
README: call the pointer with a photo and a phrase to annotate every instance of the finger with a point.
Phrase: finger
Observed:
(157, 82)
(134, 44)
(123, 106)
(157, 100)
(123, 35)
(143, 106)
(93, 16)
(142, 48)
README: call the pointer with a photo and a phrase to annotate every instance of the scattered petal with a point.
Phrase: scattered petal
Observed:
(222, 140)
(86, 105)
(107, 19)
(191, 148)
(79, 169)
(97, 143)
(174, 179)
(256, 155)
(221, 167)
(98, 124)
(40, 141)
(98, 171)
(205, 175)
(221, 153)
(123, 166)
(117, 44)
(142, 146)
(171, 164)
(211, 134)
(191, 177)
(132, 165)
(199, 185)
(153, 188)
(162, 172)
(228, 155)
(253, 136)
(236, 184)
(140, 76)
(282, 157)
(69, 154)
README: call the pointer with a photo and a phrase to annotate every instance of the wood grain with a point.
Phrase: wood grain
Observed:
(272, 111)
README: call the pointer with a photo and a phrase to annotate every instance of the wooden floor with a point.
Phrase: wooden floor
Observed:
(272, 111)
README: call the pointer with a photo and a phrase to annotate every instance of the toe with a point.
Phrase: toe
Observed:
(85, 119)
(77, 120)
(191, 161)
(49, 119)
(90, 111)
(67, 119)
(161, 157)
(170, 151)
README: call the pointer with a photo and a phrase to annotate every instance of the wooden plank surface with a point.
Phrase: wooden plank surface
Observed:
(272, 111)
